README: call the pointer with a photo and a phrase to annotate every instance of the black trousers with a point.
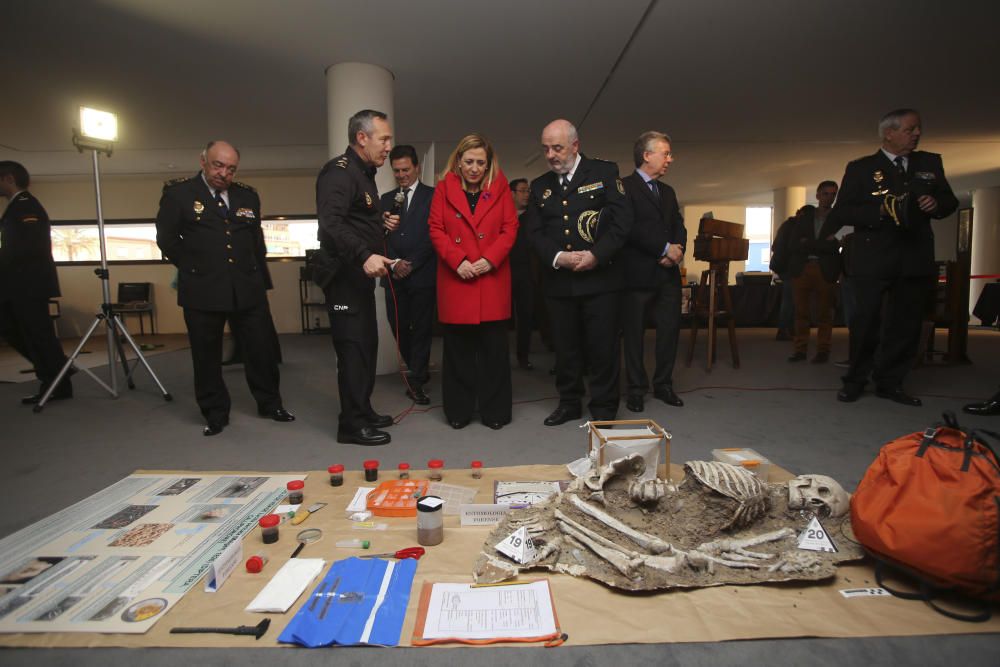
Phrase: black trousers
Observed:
(415, 306)
(884, 345)
(523, 294)
(253, 330)
(355, 338)
(587, 328)
(476, 370)
(27, 327)
(665, 304)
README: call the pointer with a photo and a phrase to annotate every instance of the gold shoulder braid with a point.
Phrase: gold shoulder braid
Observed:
(894, 206)
(586, 225)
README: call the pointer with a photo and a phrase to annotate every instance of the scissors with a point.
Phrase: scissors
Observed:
(410, 552)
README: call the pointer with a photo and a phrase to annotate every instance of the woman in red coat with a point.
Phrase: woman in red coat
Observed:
(473, 226)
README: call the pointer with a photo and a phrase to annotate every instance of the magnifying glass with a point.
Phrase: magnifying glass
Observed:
(307, 536)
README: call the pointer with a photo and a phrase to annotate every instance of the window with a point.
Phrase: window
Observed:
(758, 231)
(288, 237)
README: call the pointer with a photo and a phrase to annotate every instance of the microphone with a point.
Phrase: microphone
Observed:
(397, 205)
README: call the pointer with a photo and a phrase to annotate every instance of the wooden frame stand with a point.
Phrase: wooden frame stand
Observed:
(604, 437)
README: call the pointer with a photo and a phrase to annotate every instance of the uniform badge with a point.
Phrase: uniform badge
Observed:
(590, 188)
(878, 176)
(546, 194)
(368, 200)
(621, 188)
(199, 208)
(31, 218)
(925, 175)
(245, 213)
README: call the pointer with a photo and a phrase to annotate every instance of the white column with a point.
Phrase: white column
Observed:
(786, 202)
(351, 87)
(985, 239)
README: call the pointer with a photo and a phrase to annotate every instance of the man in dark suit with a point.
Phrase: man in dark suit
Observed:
(889, 199)
(352, 236)
(522, 277)
(409, 287)
(652, 277)
(27, 281)
(209, 227)
(814, 265)
(577, 221)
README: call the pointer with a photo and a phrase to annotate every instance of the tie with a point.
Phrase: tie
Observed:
(406, 203)
(223, 209)
(899, 165)
(565, 182)
(655, 190)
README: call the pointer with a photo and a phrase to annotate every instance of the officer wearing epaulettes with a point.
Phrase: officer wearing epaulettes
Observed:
(352, 241)
(209, 227)
(578, 220)
(28, 280)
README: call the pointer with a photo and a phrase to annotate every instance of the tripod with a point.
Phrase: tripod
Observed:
(113, 324)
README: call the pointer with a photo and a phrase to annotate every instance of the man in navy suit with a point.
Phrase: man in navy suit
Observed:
(409, 287)
(652, 278)
(889, 199)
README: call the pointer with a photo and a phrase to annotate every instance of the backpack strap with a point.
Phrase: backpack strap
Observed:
(927, 592)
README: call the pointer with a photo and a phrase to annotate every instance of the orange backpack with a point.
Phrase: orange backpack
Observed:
(930, 506)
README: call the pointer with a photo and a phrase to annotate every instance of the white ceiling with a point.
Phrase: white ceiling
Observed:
(756, 95)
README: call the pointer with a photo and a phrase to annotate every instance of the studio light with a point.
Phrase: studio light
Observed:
(98, 131)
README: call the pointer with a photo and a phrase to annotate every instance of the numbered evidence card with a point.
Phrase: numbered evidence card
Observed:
(460, 611)
(116, 561)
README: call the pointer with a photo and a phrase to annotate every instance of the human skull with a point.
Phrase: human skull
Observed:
(818, 493)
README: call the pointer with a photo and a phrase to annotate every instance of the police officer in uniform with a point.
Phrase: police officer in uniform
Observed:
(209, 227)
(890, 198)
(27, 281)
(578, 220)
(352, 231)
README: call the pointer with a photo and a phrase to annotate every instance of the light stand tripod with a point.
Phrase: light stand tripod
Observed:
(112, 323)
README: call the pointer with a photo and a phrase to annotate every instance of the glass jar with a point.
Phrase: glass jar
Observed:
(436, 468)
(295, 491)
(430, 521)
(336, 475)
(269, 528)
(371, 470)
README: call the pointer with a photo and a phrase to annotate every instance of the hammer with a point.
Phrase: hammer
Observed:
(255, 630)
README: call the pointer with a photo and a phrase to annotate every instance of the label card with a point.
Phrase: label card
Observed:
(518, 546)
(815, 538)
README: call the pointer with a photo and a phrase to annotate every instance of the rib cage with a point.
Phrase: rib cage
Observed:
(733, 482)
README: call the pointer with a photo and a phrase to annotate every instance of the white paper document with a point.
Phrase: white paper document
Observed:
(287, 585)
(462, 612)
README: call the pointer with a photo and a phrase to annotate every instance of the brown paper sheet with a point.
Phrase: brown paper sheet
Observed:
(589, 612)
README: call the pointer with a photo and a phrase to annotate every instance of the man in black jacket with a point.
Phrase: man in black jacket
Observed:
(577, 221)
(352, 233)
(409, 287)
(652, 278)
(814, 265)
(28, 280)
(209, 227)
(889, 199)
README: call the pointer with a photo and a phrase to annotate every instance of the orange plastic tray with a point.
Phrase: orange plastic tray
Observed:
(397, 497)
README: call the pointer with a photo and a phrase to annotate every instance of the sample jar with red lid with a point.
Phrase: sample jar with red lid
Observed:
(295, 493)
(477, 469)
(269, 528)
(336, 475)
(256, 563)
(436, 468)
(404, 470)
(371, 470)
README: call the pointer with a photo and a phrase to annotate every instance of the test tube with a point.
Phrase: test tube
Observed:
(435, 466)
(353, 544)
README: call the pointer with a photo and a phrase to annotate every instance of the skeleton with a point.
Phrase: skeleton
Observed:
(819, 493)
(721, 525)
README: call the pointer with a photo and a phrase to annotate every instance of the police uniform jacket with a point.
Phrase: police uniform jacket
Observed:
(657, 221)
(803, 242)
(220, 258)
(27, 270)
(350, 224)
(880, 248)
(411, 240)
(459, 235)
(551, 224)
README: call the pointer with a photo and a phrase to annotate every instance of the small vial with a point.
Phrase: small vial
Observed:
(371, 470)
(295, 493)
(353, 544)
(477, 470)
(256, 563)
(404, 471)
(435, 467)
(269, 528)
(336, 475)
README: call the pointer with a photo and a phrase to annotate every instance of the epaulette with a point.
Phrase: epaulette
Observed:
(175, 181)
(341, 161)
(244, 186)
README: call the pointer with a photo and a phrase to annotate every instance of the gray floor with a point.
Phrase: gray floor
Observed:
(787, 412)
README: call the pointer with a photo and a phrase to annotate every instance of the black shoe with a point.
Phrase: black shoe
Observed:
(562, 415)
(277, 414)
(988, 408)
(899, 396)
(418, 396)
(849, 393)
(378, 421)
(669, 397)
(821, 358)
(634, 404)
(364, 436)
(215, 426)
(58, 395)
(525, 365)
(846, 363)
(798, 356)
(496, 426)
(458, 423)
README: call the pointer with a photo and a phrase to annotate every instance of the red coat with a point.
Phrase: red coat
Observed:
(458, 235)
